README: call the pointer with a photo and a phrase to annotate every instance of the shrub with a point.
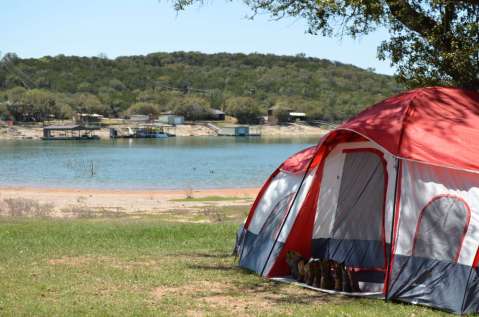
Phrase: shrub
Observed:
(245, 109)
(144, 108)
(192, 108)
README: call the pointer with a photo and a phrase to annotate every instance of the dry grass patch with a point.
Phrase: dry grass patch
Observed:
(23, 207)
(82, 211)
(107, 261)
(242, 298)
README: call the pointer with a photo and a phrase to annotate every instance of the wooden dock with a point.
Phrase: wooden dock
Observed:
(69, 132)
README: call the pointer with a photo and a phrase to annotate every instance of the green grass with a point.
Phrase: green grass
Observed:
(146, 266)
(208, 198)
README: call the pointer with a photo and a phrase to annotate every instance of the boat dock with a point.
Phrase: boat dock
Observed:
(139, 132)
(239, 130)
(69, 132)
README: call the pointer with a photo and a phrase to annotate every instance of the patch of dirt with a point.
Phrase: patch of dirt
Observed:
(111, 261)
(194, 313)
(195, 289)
(237, 304)
(72, 260)
(96, 203)
(241, 299)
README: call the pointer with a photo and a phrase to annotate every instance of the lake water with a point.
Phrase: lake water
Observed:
(173, 163)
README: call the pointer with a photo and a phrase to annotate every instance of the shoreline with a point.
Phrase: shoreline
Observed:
(201, 192)
(292, 130)
(67, 202)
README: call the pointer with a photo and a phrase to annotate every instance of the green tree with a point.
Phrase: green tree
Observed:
(432, 42)
(117, 84)
(245, 109)
(42, 104)
(16, 95)
(88, 103)
(16, 105)
(84, 87)
(192, 108)
(144, 108)
(63, 106)
(4, 113)
(217, 99)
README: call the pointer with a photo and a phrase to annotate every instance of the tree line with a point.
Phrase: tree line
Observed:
(187, 83)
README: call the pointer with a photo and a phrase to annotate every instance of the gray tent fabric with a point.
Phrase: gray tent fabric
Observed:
(361, 198)
(257, 248)
(471, 300)
(357, 253)
(441, 229)
(357, 234)
(430, 282)
(431, 276)
(239, 240)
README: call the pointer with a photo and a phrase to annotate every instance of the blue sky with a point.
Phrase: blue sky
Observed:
(35, 28)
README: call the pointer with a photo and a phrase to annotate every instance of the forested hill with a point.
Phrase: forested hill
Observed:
(168, 81)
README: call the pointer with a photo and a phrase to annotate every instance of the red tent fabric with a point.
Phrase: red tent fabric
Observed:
(298, 162)
(436, 125)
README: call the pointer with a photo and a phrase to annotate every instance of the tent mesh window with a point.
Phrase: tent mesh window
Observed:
(441, 228)
(273, 222)
(361, 198)
(256, 254)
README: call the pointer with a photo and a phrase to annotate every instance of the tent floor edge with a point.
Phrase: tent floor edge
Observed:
(290, 280)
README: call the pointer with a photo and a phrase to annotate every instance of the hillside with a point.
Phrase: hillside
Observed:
(175, 81)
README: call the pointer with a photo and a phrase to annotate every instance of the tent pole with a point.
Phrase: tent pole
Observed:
(289, 210)
(391, 237)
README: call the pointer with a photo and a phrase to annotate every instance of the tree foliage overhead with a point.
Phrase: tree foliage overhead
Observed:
(432, 42)
(190, 82)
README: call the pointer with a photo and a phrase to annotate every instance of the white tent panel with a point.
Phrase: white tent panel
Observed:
(329, 193)
(303, 191)
(425, 190)
(283, 185)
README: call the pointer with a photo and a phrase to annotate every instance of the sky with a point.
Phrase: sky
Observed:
(35, 28)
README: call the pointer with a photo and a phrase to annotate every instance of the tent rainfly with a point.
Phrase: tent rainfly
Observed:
(392, 194)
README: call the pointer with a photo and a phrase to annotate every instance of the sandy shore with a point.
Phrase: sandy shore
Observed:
(61, 202)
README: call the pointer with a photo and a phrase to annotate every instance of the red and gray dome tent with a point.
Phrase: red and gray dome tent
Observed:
(393, 193)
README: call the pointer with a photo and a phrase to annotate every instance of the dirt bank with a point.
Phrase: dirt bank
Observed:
(64, 202)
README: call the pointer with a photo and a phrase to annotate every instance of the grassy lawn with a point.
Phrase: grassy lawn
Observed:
(148, 266)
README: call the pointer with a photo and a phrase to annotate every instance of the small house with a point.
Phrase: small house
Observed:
(139, 118)
(278, 114)
(217, 115)
(297, 116)
(234, 131)
(88, 119)
(171, 119)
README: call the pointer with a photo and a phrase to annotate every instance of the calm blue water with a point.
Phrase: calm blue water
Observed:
(181, 162)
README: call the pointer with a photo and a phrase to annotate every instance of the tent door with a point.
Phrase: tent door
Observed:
(353, 233)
